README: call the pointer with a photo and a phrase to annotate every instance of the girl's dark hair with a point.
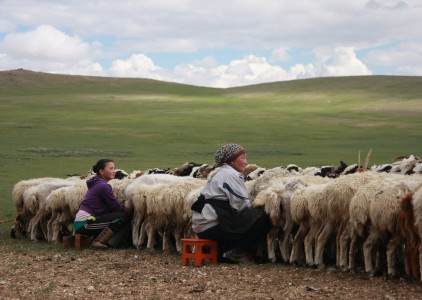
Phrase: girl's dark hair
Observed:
(100, 165)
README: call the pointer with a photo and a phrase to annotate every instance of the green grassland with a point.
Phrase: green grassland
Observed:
(53, 125)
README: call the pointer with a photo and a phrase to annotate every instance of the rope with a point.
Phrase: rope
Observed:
(7, 221)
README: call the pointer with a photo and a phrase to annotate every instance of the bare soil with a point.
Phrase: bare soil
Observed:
(57, 273)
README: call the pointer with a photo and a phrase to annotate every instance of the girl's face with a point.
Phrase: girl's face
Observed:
(240, 163)
(109, 171)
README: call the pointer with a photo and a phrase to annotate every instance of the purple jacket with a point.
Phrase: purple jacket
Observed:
(99, 199)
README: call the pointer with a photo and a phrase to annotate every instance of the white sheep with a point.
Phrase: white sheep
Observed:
(55, 204)
(359, 211)
(265, 180)
(309, 211)
(338, 194)
(384, 211)
(136, 194)
(276, 199)
(165, 206)
(40, 196)
(20, 187)
(64, 204)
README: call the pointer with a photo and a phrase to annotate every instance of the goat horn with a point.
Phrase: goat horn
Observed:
(368, 156)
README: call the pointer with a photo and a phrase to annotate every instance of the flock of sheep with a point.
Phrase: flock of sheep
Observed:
(345, 215)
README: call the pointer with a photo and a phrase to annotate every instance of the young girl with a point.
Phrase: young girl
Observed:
(100, 215)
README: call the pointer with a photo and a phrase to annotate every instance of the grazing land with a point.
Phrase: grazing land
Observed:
(50, 272)
(53, 125)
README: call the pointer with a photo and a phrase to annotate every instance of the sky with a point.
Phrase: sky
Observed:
(213, 43)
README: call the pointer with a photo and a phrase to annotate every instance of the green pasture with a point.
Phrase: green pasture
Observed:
(53, 125)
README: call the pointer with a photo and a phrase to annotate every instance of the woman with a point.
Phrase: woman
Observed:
(100, 215)
(222, 212)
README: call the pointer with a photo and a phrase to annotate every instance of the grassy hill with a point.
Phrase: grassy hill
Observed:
(52, 125)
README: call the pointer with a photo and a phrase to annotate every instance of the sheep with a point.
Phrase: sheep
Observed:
(416, 203)
(146, 179)
(255, 173)
(405, 165)
(417, 169)
(119, 187)
(384, 211)
(407, 229)
(310, 212)
(177, 212)
(135, 201)
(186, 169)
(55, 204)
(64, 204)
(41, 194)
(276, 201)
(359, 212)
(19, 188)
(265, 179)
(138, 204)
(165, 207)
(338, 194)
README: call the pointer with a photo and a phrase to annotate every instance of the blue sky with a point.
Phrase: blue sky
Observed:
(213, 43)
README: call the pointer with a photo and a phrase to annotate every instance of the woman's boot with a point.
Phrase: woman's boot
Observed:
(102, 239)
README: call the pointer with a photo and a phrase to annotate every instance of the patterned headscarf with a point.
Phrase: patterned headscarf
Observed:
(227, 153)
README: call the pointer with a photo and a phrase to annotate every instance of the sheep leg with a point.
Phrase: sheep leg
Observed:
(166, 238)
(32, 230)
(413, 263)
(338, 250)
(391, 261)
(44, 227)
(178, 238)
(320, 244)
(271, 237)
(151, 235)
(297, 243)
(344, 242)
(352, 252)
(309, 240)
(367, 253)
(50, 227)
(284, 243)
(136, 222)
(55, 230)
(143, 232)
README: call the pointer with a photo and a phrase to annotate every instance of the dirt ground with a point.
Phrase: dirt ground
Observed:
(57, 273)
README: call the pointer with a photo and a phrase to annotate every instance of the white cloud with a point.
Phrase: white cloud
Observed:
(48, 49)
(248, 70)
(60, 33)
(341, 61)
(46, 43)
(404, 59)
(137, 65)
(280, 55)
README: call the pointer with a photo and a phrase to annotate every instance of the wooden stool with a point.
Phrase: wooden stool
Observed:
(82, 241)
(69, 242)
(198, 250)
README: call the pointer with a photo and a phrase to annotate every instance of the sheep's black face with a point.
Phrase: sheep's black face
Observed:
(120, 175)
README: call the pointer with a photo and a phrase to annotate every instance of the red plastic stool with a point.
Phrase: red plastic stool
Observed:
(198, 250)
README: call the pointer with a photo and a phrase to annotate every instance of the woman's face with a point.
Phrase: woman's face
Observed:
(109, 171)
(240, 163)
